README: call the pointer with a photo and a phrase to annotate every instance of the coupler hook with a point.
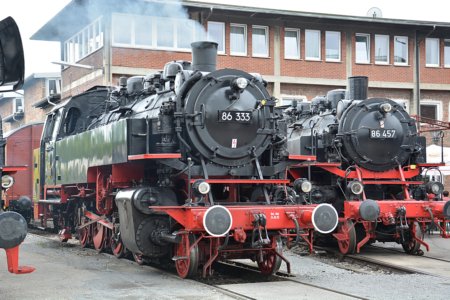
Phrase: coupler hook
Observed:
(260, 237)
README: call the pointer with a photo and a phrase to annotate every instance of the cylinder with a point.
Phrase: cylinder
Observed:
(204, 56)
(357, 88)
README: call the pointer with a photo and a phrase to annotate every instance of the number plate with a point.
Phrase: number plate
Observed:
(382, 134)
(227, 116)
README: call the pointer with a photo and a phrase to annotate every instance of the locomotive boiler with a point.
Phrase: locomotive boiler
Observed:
(368, 161)
(188, 163)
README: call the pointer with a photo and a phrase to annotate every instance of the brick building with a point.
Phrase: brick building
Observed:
(41, 91)
(300, 54)
(12, 109)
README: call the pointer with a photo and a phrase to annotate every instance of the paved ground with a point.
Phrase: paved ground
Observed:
(439, 264)
(70, 272)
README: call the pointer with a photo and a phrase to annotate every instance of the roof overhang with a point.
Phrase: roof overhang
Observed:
(81, 11)
(46, 101)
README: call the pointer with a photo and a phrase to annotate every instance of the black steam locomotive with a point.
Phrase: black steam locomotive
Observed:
(368, 163)
(191, 156)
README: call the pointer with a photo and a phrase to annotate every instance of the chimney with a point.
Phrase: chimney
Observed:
(204, 56)
(357, 88)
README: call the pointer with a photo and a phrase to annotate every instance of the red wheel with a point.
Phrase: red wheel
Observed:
(271, 262)
(84, 236)
(186, 262)
(347, 245)
(117, 247)
(99, 237)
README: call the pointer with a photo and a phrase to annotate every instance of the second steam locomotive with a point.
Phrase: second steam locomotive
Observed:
(368, 162)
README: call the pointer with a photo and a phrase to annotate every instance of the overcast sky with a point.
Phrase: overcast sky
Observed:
(32, 15)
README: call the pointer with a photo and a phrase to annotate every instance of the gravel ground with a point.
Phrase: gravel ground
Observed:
(366, 281)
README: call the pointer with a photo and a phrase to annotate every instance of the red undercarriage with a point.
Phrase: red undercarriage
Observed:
(421, 212)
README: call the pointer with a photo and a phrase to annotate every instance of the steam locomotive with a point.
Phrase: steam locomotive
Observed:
(367, 161)
(188, 163)
(13, 227)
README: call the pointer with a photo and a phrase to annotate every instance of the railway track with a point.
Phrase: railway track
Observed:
(232, 273)
(398, 262)
(233, 278)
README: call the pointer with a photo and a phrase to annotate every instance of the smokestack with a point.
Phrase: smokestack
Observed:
(357, 88)
(204, 56)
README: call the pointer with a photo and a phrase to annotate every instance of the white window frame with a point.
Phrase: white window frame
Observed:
(436, 103)
(379, 62)
(407, 51)
(245, 40)
(368, 48)
(83, 38)
(298, 43)
(438, 52)
(448, 112)
(223, 35)
(445, 64)
(266, 30)
(339, 46)
(15, 105)
(47, 86)
(306, 45)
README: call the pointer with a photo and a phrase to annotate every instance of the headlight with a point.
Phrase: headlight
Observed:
(7, 181)
(240, 83)
(434, 187)
(302, 185)
(355, 187)
(201, 187)
(385, 107)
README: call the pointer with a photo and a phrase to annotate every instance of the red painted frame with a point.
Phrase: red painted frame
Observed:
(278, 217)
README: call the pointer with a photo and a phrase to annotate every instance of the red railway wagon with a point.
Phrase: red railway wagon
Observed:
(20, 143)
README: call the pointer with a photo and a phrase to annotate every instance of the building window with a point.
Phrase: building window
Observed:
(447, 53)
(216, 33)
(400, 50)
(260, 41)
(333, 46)
(154, 33)
(89, 39)
(381, 49)
(185, 34)
(165, 34)
(312, 44)
(432, 52)
(238, 39)
(142, 31)
(362, 48)
(18, 106)
(292, 43)
(52, 86)
(290, 100)
(431, 109)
